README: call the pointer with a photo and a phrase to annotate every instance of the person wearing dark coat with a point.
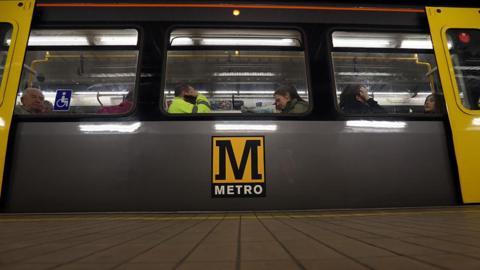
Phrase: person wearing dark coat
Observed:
(355, 99)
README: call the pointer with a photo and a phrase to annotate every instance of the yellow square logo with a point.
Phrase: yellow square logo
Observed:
(238, 166)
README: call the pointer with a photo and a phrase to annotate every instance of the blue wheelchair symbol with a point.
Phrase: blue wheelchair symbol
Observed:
(62, 100)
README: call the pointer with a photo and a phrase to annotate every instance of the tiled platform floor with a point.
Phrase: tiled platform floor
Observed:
(433, 238)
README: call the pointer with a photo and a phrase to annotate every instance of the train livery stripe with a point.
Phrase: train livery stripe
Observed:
(229, 6)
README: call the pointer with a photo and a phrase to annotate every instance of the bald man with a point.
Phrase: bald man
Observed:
(32, 102)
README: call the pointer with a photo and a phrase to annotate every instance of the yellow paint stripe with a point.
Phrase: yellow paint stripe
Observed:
(272, 215)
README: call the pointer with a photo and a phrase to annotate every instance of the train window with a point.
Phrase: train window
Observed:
(464, 46)
(5, 33)
(385, 73)
(79, 72)
(236, 71)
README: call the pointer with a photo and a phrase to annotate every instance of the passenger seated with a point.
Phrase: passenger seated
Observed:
(433, 104)
(32, 102)
(355, 99)
(287, 100)
(188, 100)
(123, 107)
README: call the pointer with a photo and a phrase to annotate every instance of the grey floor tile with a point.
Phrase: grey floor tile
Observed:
(25, 266)
(214, 252)
(91, 266)
(445, 245)
(146, 266)
(396, 263)
(251, 251)
(270, 240)
(307, 249)
(451, 261)
(401, 247)
(67, 255)
(207, 265)
(357, 249)
(164, 253)
(116, 254)
(268, 265)
(333, 264)
(29, 252)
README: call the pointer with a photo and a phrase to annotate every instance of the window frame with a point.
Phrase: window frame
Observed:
(5, 71)
(333, 79)
(241, 116)
(77, 116)
(453, 75)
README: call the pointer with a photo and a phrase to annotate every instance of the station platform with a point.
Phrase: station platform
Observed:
(418, 238)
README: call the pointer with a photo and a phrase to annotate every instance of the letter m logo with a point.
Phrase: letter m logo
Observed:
(238, 160)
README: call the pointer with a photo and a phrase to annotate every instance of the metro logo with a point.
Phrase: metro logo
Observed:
(238, 166)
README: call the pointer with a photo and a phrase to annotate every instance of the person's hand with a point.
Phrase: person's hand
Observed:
(192, 92)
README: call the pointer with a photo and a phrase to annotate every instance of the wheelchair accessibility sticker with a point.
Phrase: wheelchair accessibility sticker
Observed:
(62, 100)
(238, 167)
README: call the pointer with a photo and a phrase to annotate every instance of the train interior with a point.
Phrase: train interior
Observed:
(238, 70)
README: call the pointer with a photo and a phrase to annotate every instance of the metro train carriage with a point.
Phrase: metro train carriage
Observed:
(207, 106)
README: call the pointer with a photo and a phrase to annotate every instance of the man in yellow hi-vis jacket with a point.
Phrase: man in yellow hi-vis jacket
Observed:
(188, 100)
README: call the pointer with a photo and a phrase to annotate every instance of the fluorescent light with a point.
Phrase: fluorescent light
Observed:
(112, 75)
(467, 68)
(225, 92)
(182, 41)
(376, 124)
(117, 40)
(173, 92)
(122, 128)
(416, 44)
(257, 92)
(244, 127)
(395, 93)
(381, 40)
(248, 42)
(94, 93)
(361, 43)
(244, 74)
(366, 73)
(58, 41)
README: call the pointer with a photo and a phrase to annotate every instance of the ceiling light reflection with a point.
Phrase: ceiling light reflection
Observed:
(120, 128)
(244, 127)
(58, 41)
(377, 124)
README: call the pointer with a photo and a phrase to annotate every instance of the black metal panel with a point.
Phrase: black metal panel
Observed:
(187, 14)
(165, 166)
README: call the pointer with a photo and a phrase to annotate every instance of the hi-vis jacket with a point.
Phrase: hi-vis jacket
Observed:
(181, 106)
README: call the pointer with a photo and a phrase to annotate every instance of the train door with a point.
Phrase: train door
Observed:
(15, 20)
(456, 37)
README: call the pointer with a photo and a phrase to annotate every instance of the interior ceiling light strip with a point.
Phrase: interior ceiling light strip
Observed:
(118, 5)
